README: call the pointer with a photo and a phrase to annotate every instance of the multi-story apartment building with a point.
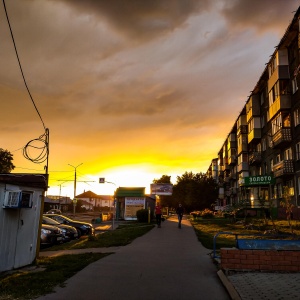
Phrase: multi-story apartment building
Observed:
(261, 154)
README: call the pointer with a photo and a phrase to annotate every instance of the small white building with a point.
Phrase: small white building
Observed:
(21, 203)
(92, 200)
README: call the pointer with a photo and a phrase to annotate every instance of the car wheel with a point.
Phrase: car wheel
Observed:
(79, 233)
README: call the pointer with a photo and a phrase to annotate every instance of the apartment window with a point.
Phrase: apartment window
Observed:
(262, 121)
(288, 154)
(279, 190)
(272, 66)
(298, 151)
(264, 146)
(277, 159)
(294, 85)
(276, 124)
(270, 142)
(250, 125)
(271, 164)
(290, 185)
(297, 116)
(298, 181)
(272, 96)
(262, 98)
(258, 147)
(265, 169)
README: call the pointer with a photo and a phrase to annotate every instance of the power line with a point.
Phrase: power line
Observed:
(12, 36)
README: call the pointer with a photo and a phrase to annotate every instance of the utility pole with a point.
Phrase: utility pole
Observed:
(75, 182)
(75, 177)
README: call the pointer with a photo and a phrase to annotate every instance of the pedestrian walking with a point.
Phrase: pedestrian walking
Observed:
(158, 215)
(179, 212)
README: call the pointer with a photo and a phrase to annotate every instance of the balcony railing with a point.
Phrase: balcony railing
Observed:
(255, 158)
(282, 137)
(285, 167)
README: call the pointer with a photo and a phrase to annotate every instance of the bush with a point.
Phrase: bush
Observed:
(142, 215)
(195, 214)
(207, 214)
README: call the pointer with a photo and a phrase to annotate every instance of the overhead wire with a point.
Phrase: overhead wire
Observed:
(44, 138)
(44, 149)
(20, 66)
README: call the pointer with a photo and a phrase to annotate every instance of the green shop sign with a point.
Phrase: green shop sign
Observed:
(259, 180)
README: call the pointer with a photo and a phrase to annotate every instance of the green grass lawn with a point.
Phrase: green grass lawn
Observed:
(122, 236)
(206, 229)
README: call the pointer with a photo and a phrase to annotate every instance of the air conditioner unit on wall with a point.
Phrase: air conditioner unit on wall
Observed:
(17, 199)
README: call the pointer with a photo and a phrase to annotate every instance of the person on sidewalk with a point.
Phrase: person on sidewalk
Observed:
(179, 212)
(158, 215)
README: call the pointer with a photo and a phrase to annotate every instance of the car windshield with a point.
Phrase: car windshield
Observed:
(50, 221)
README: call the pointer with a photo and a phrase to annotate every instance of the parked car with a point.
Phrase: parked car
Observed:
(50, 235)
(82, 228)
(69, 232)
(54, 211)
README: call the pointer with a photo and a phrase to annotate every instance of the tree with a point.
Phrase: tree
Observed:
(195, 191)
(288, 205)
(163, 179)
(6, 158)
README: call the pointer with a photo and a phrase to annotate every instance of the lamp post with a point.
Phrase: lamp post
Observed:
(75, 179)
(102, 180)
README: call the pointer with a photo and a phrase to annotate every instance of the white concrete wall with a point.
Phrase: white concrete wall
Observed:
(19, 229)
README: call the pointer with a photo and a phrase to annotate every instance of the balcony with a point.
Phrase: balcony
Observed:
(221, 173)
(281, 72)
(255, 158)
(243, 129)
(242, 148)
(282, 138)
(226, 179)
(285, 167)
(254, 134)
(253, 107)
(232, 160)
(282, 102)
(232, 175)
(243, 167)
(231, 145)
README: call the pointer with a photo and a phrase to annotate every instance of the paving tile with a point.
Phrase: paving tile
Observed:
(266, 286)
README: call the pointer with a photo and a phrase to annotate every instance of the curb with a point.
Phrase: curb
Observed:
(228, 285)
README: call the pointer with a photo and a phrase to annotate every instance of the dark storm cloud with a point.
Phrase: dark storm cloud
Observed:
(141, 19)
(262, 15)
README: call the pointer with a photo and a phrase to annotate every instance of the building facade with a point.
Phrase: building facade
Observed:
(260, 157)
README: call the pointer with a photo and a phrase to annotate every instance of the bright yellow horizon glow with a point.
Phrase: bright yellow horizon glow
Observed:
(139, 175)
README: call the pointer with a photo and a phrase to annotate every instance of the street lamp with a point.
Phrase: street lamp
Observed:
(74, 201)
(102, 180)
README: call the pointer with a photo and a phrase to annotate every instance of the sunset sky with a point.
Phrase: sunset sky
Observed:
(131, 90)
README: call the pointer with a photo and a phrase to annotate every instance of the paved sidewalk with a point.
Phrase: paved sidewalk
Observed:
(166, 263)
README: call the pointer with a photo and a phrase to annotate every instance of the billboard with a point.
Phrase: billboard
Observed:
(161, 189)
